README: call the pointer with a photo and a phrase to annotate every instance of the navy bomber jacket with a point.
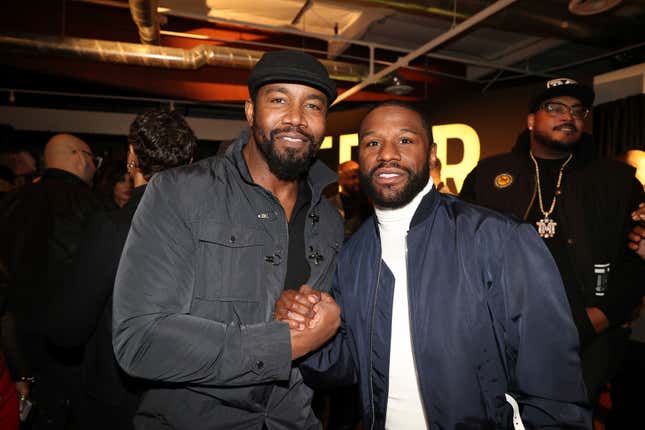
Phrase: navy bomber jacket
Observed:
(488, 314)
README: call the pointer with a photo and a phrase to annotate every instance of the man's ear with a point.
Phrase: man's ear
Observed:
(79, 160)
(432, 156)
(530, 121)
(248, 111)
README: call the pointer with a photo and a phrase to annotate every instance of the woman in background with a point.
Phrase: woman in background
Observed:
(114, 186)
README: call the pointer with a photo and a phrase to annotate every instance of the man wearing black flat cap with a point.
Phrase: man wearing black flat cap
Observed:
(211, 248)
(581, 208)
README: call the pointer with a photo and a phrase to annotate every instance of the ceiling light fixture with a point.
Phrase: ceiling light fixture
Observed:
(398, 87)
(591, 7)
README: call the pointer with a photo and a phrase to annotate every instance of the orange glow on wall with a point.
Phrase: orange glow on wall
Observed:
(636, 158)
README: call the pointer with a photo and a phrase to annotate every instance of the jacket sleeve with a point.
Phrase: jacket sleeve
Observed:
(88, 286)
(155, 336)
(541, 339)
(332, 364)
(9, 345)
(627, 285)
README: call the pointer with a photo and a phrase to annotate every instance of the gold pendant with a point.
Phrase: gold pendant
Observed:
(546, 227)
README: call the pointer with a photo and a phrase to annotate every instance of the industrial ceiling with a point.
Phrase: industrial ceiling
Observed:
(199, 52)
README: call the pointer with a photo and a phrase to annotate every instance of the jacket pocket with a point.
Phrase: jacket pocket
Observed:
(228, 266)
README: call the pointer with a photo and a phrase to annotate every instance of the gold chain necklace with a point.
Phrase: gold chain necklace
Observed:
(546, 226)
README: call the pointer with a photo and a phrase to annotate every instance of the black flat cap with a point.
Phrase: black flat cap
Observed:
(563, 87)
(291, 67)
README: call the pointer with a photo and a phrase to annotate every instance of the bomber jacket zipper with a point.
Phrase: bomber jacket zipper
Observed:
(378, 282)
(414, 355)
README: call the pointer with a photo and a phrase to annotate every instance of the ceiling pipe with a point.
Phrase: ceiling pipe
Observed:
(540, 25)
(158, 56)
(437, 41)
(144, 15)
(294, 31)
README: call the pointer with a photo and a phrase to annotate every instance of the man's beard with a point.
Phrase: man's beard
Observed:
(546, 140)
(416, 182)
(289, 164)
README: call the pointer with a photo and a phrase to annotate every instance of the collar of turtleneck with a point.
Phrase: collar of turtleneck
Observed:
(400, 218)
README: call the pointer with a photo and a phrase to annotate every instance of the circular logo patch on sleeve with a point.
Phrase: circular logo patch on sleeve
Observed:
(503, 180)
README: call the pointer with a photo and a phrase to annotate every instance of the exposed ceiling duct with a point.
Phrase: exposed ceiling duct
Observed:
(530, 14)
(144, 14)
(158, 56)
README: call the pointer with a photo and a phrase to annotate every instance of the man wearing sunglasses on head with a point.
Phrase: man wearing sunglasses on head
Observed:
(581, 208)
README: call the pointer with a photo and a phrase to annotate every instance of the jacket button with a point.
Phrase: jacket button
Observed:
(232, 239)
(571, 242)
(259, 364)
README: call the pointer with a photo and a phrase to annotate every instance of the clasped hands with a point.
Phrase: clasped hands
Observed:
(637, 235)
(313, 317)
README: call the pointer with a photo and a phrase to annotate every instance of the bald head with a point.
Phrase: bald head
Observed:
(69, 153)
(348, 177)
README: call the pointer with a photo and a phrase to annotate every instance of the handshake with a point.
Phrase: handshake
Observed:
(313, 317)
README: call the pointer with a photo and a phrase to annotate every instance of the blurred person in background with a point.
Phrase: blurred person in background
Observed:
(581, 208)
(352, 203)
(41, 225)
(114, 185)
(9, 399)
(23, 165)
(435, 173)
(158, 140)
(7, 178)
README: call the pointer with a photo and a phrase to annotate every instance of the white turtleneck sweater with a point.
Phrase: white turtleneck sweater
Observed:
(404, 405)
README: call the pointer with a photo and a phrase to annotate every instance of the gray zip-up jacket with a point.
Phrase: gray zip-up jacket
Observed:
(204, 263)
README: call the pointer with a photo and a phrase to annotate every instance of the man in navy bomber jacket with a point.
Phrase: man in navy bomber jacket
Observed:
(453, 316)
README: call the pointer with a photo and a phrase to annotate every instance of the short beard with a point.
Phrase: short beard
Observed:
(559, 145)
(417, 181)
(288, 165)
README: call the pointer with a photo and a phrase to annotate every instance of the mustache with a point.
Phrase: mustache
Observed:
(392, 164)
(566, 124)
(304, 135)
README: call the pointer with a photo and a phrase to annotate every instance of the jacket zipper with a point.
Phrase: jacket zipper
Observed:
(414, 357)
(378, 281)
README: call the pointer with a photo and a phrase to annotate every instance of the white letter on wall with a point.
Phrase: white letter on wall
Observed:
(469, 139)
(345, 147)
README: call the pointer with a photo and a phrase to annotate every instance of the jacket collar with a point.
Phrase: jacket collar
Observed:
(423, 212)
(318, 176)
(62, 175)
(426, 207)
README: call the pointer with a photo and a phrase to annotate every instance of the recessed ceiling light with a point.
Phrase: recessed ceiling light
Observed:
(398, 87)
(591, 7)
